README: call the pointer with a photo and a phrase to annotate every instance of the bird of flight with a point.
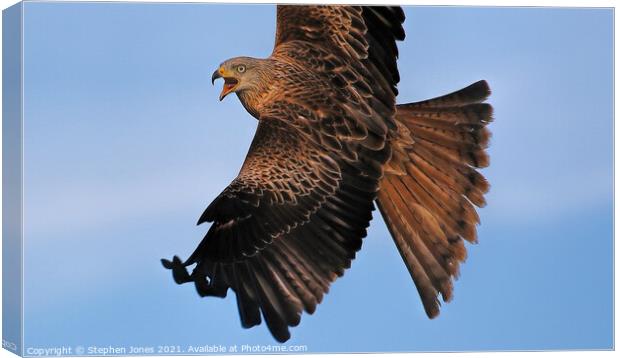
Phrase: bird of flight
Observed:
(330, 144)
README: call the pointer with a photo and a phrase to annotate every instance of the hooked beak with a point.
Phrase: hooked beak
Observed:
(215, 76)
(230, 83)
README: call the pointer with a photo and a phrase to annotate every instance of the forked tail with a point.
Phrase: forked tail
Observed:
(431, 186)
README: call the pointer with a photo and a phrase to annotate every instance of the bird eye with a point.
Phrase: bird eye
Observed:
(241, 69)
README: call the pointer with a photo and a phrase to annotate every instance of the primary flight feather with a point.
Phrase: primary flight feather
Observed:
(331, 142)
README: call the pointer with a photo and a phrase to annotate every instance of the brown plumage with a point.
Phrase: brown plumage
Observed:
(330, 142)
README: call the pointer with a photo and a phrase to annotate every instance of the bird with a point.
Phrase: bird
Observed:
(331, 145)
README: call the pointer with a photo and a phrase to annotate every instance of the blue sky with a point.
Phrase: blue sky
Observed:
(126, 143)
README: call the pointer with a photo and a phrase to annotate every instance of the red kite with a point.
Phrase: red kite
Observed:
(330, 143)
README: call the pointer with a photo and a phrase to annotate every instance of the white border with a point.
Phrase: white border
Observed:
(506, 3)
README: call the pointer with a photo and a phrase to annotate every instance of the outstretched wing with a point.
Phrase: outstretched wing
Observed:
(361, 32)
(292, 220)
(283, 230)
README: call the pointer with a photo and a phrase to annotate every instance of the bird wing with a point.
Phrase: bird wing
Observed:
(283, 230)
(364, 33)
(294, 217)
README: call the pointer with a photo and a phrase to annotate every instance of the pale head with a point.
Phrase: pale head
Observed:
(239, 74)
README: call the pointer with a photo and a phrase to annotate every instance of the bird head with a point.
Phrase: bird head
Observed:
(238, 74)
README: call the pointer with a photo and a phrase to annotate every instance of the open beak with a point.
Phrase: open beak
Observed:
(230, 83)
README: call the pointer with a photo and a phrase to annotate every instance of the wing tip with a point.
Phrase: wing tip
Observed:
(179, 272)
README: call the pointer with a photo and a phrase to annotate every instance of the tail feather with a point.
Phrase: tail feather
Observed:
(475, 93)
(431, 186)
(401, 232)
